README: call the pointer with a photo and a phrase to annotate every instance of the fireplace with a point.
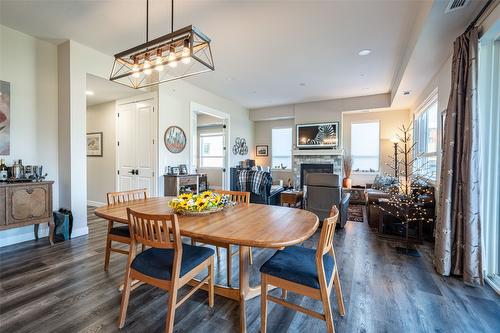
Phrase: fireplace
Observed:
(306, 168)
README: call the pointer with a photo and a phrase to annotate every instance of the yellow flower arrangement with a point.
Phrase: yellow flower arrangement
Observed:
(198, 203)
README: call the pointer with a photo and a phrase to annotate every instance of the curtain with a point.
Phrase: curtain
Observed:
(458, 227)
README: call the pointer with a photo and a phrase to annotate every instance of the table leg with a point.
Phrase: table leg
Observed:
(35, 230)
(244, 286)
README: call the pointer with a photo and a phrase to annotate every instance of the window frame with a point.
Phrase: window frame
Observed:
(422, 145)
(282, 156)
(204, 135)
(368, 121)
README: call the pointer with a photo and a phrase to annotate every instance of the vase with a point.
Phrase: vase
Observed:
(347, 182)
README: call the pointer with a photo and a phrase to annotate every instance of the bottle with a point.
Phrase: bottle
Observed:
(21, 168)
(3, 171)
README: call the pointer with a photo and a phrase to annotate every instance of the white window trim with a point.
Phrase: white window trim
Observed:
(431, 99)
(368, 121)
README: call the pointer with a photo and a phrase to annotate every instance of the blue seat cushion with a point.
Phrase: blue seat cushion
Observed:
(298, 264)
(157, 263)
(120, 231)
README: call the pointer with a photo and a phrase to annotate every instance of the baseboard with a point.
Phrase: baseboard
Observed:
(80, 232)
(95, 203)
(28, 235)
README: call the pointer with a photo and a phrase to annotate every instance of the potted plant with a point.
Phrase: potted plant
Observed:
(347, 181)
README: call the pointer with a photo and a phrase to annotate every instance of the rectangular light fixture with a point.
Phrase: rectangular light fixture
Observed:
(182, 53)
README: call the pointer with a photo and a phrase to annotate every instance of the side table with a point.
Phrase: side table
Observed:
(292, 198)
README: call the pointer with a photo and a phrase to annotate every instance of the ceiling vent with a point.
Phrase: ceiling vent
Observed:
(455, 5)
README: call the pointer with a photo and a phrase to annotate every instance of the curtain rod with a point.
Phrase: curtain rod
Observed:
(476, 19)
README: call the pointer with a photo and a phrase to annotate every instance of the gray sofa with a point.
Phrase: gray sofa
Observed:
(321, 192)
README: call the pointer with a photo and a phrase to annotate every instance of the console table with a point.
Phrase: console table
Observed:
(178, 184)
(29, 203)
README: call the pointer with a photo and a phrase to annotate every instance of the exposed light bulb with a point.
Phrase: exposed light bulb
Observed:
(135, 69)
(186, 53)
(147, 67)
(172, 59)
(159, 61)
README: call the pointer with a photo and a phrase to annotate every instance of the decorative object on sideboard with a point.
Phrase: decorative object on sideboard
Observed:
(178, 54)
(240, 146)
(183, 169)
(261, 150)
(323, 135)
(175, 139)
(4, 118)
(94, 144)
(347, 181)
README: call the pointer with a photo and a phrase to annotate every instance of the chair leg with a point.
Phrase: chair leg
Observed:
(108, 248)
(218, 252)
(327, 309)
(250, 256)
(229, 265)
(211, 283)
(125, 297)
(193, 242)
(172, 302)
(263, 304)
(143, 247)
(283, 293)
(338, 292)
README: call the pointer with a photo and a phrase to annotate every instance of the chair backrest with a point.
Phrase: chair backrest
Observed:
(124, 196)
(323, 191)
(235, 196)
(328, 230)
(159, 231)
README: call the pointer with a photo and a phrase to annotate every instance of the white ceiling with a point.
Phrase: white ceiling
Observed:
(106, 91)
(265, 52)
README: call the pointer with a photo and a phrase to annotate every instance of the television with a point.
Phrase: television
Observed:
(323, 135)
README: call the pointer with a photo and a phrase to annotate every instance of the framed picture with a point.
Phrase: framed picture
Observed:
(175, 139)
(322, 135)
(94, 144)
(4, 118)
(261, 150)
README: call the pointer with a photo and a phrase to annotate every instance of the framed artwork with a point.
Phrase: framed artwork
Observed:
(261, 150)
(175, 139)
(4, 118)
(94, 144)
(323, 135)
(240, 146)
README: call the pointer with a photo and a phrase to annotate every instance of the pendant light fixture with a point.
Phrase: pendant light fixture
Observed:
(181, 53)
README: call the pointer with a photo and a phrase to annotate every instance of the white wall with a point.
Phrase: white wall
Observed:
(174, 103)
(101, 176)
(30, 65)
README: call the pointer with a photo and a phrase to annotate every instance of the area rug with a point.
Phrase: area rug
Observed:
(356, 213)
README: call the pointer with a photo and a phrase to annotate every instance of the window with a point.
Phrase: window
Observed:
(281, 147)
(211, 151)
(365, 146)
(426, 137)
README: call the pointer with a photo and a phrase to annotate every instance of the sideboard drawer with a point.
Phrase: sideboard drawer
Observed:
(3, 213)
(29, 202)
(188, 180)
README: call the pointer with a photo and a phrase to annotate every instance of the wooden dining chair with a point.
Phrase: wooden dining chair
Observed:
(121, 233)
(168, 264)
(242, 198)
(307, 272)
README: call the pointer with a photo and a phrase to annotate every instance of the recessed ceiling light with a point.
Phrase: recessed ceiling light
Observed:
(366, 88)
(407, 92)
(302, 84)
(89, 93)
(364, 52)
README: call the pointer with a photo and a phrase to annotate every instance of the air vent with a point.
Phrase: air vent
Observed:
(455, 5)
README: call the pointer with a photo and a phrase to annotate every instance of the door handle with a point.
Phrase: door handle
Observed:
(132, 171)
(137, 172)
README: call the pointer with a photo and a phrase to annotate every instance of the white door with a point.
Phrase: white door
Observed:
(136, 146)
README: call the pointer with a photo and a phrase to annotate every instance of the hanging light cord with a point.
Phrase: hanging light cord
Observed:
(147, 21)
(172, 17)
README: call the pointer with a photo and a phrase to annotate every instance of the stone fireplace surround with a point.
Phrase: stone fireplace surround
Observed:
(324, 157)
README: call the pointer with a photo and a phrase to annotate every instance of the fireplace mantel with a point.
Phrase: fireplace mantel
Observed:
(318, 152)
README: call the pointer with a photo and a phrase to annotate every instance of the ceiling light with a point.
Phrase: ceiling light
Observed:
(407, 92)
(89, 93)
(302, 84)
(364, 52)
(195, 54)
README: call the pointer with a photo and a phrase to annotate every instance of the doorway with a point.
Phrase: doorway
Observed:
(209, 141)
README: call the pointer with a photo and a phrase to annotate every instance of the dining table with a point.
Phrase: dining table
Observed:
(246, 226)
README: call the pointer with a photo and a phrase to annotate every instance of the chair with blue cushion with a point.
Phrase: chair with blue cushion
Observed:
(121, 233)
(168, 264)
(307, 272)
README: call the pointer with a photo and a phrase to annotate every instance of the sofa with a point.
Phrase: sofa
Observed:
(321, 192)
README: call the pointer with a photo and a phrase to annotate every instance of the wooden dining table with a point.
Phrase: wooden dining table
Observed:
(246, 226)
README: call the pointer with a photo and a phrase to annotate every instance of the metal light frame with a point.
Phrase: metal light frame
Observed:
(129, 66)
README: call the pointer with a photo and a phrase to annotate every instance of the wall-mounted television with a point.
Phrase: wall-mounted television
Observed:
(323, 135)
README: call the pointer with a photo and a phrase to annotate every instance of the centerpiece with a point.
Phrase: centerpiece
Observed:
(198, 204)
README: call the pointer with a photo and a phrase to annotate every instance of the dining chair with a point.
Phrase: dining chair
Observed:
(121, 233)
(168, 264)
(242, 198)
(307, 272)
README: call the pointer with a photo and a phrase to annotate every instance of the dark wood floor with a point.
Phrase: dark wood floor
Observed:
(64, 289)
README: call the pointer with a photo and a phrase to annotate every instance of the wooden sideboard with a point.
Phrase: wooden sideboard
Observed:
(175, 185)
(23, 204)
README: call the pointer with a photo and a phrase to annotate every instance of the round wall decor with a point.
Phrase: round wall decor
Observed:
(175, 139)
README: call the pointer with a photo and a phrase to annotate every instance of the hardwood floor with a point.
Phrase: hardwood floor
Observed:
(64, 289)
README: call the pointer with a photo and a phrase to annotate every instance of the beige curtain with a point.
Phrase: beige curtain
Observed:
(458, 227)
